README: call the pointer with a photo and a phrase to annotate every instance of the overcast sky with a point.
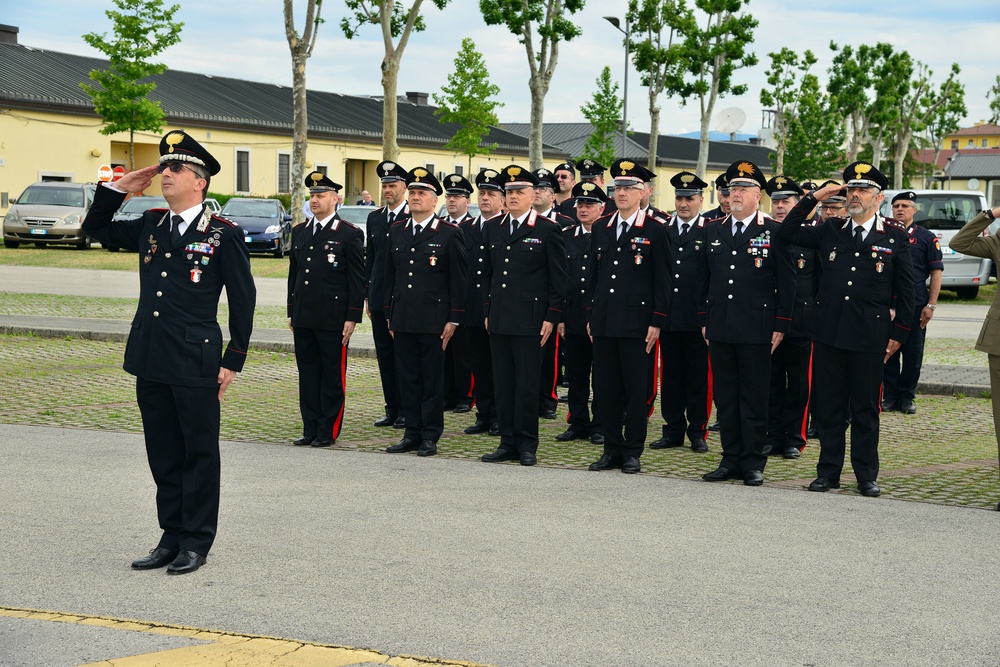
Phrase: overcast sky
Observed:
(246, 40)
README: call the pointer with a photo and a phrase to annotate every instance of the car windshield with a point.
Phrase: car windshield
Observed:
(942, 211)
(250, 209)
(141, 204)
(53, 197)
(356, 215)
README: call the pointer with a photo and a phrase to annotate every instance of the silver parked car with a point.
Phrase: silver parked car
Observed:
(944, 212)
(49, 212)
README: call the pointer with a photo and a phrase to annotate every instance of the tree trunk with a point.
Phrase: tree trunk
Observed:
(300, 138)
(390, 72)
(654, 132)
(131, 150)
(902, 148)
(537, 117)
(877, 151)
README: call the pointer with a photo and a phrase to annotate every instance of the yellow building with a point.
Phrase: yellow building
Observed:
(980, 135)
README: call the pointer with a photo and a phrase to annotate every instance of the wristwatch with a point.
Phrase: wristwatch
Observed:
(989, 214)
(932, 306)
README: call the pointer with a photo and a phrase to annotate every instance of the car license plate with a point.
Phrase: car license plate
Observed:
(945, 250)
(247, 239)
(43, 232)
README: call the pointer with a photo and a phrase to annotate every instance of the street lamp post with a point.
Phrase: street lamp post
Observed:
(613, 20)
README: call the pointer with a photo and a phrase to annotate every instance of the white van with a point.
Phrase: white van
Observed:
(944, 212)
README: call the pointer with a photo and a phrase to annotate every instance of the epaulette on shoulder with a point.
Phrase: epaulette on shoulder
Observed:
(448, 222)
(662, 219)
(709, 221)
(225, 221)
(349, 224)
(159, 210)
(571, 229)
(892, 222)
(402, 221)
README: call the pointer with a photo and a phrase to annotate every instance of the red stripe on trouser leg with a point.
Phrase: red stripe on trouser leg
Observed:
(809, 389)
(555, 366)
(709, 396)
(651, 399)
(338, 422)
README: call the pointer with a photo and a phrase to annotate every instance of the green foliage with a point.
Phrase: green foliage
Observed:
(994, 98)
(653, 54)
(784, 78)
(370, 12)
(604, 113)
(142, 30)
(467, 101)
(815, 135)
(550, 16)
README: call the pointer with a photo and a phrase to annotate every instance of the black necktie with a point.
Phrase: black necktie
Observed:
(175, 229)
(684, 228)
(859, 236)
(317, 227)
(392, 218)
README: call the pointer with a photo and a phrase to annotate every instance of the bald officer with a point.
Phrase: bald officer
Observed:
(326, 296)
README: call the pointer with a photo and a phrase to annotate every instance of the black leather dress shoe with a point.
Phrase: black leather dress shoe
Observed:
(158, 557)
(699, 445)
(186, 562)
(753, 478)
(869, 489)
(606, 462)
(665, 443)
(597, 438)
(889, 406)
(304, 440)
(811, 432)
(570, 434)
(499, 456)
(427, 448)
(547, 414)
(821, 484)
(720, 474)
(404, 445)
(481, 426)
(630, 465)
(527, 459)
(324, 442)
(494, 429)
(388, 420)
(908, 407)
(399, 423)
(462, 408)
(791, 452)
(713, 427)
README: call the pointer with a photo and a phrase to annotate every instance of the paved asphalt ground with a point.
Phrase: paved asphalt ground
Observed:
(462, 561)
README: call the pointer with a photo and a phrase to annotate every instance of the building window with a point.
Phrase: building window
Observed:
(971, 144)
(284, 172)
(985, 143)
(243, 170)
(954, 144)
(321, 168)
(460, 170)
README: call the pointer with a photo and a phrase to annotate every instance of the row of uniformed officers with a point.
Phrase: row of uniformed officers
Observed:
(628, 290)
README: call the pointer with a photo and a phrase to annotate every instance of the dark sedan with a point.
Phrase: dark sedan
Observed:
(265, 224)
(133, 208)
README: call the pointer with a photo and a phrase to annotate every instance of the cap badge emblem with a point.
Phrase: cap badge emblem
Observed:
(173, 139)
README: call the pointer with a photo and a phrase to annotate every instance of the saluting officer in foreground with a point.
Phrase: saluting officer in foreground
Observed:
(424, 302)
(630, 289)
(380, 220)
(326, 296)
(525, 270)
(866, 271)
(186, 257)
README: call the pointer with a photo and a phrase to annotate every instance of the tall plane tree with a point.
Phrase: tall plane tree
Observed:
(603, 111)
(301, 47)
(711, 56)
(396, 23)
(142, 30)
(993, 95)
(815, 136)
(655, 26)
(467, 100)
(549, 18)
(785, 78)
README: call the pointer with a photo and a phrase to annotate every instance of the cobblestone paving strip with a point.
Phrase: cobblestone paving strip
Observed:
(943, 454)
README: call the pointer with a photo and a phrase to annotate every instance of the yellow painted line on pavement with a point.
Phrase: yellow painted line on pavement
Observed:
(230, 648)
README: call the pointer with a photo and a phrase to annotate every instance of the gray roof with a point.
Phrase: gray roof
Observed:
(670, 150)
(974, 166)
(39, 79)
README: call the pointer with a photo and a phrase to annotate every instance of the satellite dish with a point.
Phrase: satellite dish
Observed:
(729, 121)
(973, 184)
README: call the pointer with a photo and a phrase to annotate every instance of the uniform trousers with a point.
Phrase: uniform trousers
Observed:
(458, 387)
(652, 379)
(579, 362)
(620, 390)
(548, 398)
(851, 384)
(322, 364)
(788, 408)
(420, 369)
(684, 387)
(181, 428)
(384, 353)
(902, 371)
(516, 374)
(475, 345)
(741, 374)
(994, 361)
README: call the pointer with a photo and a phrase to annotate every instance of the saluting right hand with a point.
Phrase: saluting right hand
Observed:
(138, 180)
(828, 191)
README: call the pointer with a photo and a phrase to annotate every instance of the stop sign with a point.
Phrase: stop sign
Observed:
(105, 173)
(119, 172)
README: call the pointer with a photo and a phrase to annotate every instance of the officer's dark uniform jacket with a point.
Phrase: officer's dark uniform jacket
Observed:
(580, 266)
(750, 294)
(687, 266)
(326, 276)
(858, 286)
(175, 337)
(925, 251)
(525, 274)
(376, 252)
(560, 218)
(425, 277)
(806, 287)
(630, 285)
(475, 254)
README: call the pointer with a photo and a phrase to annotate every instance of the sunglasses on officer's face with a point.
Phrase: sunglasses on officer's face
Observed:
(174, 167)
